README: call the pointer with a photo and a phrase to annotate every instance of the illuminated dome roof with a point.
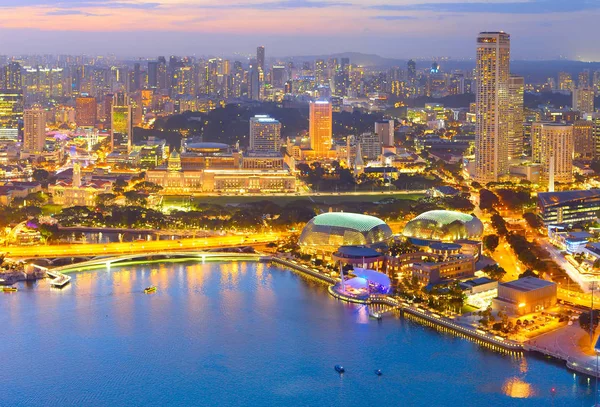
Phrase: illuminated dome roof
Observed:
(337, 229)
(445, 226)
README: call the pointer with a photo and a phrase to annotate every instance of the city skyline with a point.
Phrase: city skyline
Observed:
(296, 27)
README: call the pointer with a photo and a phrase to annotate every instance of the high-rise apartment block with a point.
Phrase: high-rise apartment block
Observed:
(493, 71)
(552, 145)
(516, 90)
(265, 134)
(583, 100)
(584, 143)
(86, 110)
(34, 130)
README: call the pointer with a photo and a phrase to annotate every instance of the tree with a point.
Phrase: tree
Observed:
(596, 264)
(36, 199)
(528, 273)
(490, 242)
(586, 317)
(494, 271)
(532, 220)
(499, 224)
(135, 198)
(106, 199)
(487, 199)
(119, 185)
(41, 175)
(147, 187)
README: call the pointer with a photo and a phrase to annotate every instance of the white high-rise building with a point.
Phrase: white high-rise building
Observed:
(552, 145)
(265, 134)
(492, 100)
(516, 116)
(385, 130)
(34, 130)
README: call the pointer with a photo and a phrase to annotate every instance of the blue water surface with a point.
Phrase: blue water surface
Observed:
(244, 334)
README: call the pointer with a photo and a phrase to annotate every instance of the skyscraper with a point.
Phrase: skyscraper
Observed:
(11, 115)
(265, 134)
(565, 81)
(320, 126)
(583, 100)
(516, 90)
(34, 133)
(85, 111)
(491, 140)
(121, 124)
(260, 58)
(385, 130)
(555, 141)
(11, 76)
(584, 144)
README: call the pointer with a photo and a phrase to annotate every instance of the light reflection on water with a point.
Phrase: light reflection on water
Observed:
(244, 334)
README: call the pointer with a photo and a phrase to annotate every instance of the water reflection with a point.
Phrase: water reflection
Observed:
(516, 387)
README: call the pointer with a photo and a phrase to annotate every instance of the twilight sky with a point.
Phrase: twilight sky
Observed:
(391, 28)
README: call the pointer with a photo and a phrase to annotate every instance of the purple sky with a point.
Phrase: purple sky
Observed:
(391, 28)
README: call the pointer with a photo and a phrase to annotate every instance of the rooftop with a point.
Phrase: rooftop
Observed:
(346, 219)
(526, 284)
(555, 198)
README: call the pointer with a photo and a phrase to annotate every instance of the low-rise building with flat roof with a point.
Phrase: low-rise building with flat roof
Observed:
(569, 207)
(525, 295)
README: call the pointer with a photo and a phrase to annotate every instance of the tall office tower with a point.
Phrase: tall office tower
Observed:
(320, 73)
(34, 130)
(584, 144)
(265, 134)
(565, 82)
(516, 116)
(11, 115)
(320, 126)
(11, 76)
(491, 139)
(278, 76)
(385, 131)
(583, 79)
(153, 74)
(137, 77)
(161, 75)
(121, 124)
(254, 84)
(411, 70)
(583, 100)
(596, 82)
(86, 110)
(260, 58)
(554, 145)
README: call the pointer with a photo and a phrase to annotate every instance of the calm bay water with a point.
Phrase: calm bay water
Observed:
(244, 334)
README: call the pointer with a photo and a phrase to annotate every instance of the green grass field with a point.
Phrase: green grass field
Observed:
(284, 200)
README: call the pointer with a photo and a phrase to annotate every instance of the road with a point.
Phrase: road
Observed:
(77, 250)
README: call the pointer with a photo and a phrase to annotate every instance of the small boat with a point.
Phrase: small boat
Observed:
(339, 368)
(10, 289)
(378, 372)
(151, 289)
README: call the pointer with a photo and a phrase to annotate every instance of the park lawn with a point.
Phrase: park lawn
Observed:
(50, 209)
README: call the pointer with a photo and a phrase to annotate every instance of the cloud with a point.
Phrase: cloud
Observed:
(277, 5)
(78, 4)
(512, 7)
(394, 18)
(72, 13)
